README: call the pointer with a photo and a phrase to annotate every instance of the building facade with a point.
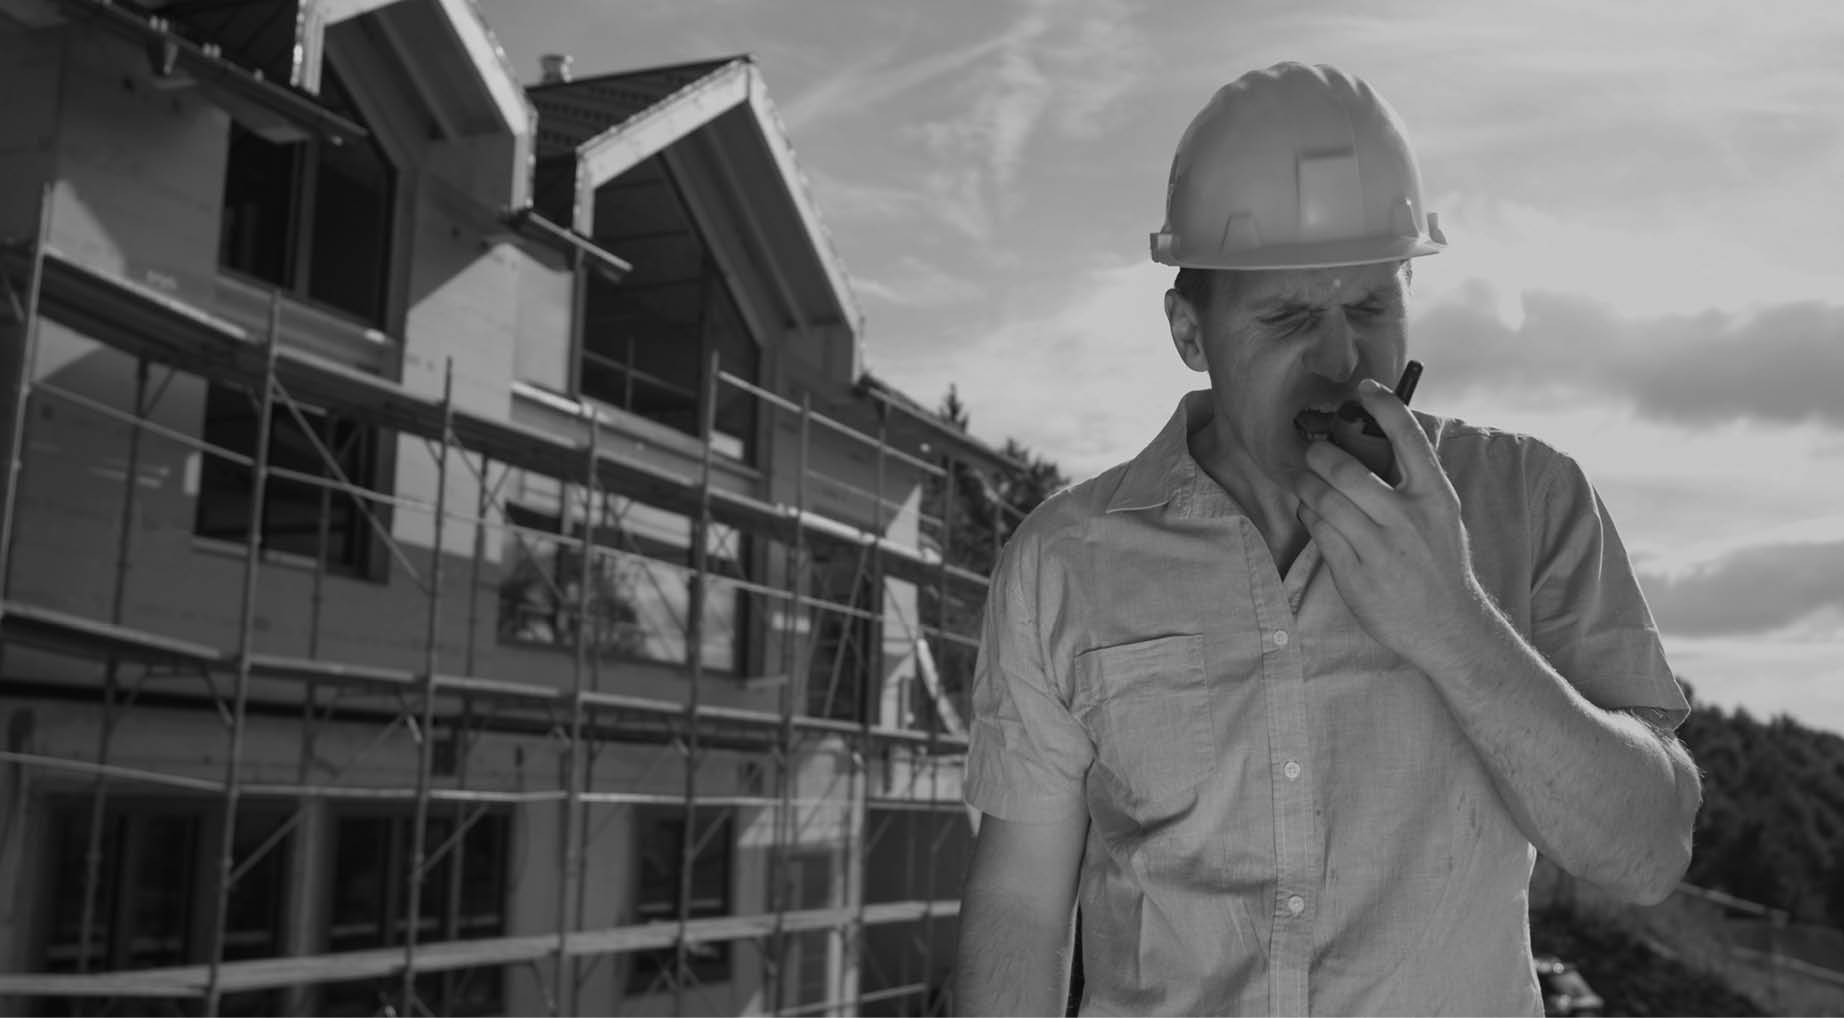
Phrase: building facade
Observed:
(453, 557)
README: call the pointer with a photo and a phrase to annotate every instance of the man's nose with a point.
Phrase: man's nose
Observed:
(1334, 351)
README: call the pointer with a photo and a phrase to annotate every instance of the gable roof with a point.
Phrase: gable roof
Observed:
(460, 74)
(442, 57)
(714, 115)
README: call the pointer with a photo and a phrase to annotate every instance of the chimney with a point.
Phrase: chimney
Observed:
(556, 67)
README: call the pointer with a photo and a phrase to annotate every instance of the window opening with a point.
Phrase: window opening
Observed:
(310, 217)
(291, 508)
(844, 661)
(659, 830)
(371, 870)
(640, 577)
(257, 34)
(647, 340)
(808, 965)
(155, 896)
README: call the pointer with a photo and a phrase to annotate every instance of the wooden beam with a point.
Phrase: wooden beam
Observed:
(274, 973)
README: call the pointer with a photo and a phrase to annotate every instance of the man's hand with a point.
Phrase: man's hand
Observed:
(1399, 555)
(1608, 797)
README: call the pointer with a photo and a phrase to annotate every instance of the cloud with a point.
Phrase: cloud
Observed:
(1064, 64)
(916, 283)
(844, 200)
(1752, 591)
(1774, 364)
(1684, 262)
(864, 84)
(1782, 363)
(1085, 375)
(1794, 672)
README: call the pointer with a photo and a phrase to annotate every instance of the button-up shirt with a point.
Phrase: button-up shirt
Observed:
(1284, 818)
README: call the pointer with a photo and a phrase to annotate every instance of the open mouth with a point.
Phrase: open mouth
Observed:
(1314, 424)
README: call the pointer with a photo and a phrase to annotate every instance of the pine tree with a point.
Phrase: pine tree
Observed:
(985, 510)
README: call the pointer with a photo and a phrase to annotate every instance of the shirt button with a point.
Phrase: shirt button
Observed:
(1280, 638)
(1292, 770)
(1296, 905)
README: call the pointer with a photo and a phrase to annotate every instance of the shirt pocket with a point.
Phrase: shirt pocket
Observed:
(1150, 716)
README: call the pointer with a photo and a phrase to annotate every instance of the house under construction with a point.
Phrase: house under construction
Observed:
(453, 560)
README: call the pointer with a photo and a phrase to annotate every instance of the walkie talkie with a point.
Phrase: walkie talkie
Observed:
(1356, 432)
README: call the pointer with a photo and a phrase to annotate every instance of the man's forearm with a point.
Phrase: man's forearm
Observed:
(1600, 792)
(1008, 962)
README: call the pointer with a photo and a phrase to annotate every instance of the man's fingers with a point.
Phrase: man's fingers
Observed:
(1415, 456)
(1332, 544)
(1333, 506)
(1347, 475)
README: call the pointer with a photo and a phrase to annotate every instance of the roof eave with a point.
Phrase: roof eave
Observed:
(737, 83)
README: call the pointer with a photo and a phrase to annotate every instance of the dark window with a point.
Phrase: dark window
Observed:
(660, 830)
(155, 898)
(845, 658)
(647, 340)
(463, 898)
(311, 217)
(258, 34)
(640, 585)
(261, 206)
(808, 960)
(293, 509)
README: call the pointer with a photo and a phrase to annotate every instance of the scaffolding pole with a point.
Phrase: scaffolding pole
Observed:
(23, 364)
(463, 747)
(859, 745)
(694, 650)
(425, 731)
(246, 649)
(99, 793)
(948, 494)
(563, 993)
(776, 951)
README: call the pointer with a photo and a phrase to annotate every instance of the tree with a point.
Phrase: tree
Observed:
(986, 508)
(989, 505)
(1772, 824)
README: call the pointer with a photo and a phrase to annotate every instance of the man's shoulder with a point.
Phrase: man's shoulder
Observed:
(1070, 510)
(1466, 446)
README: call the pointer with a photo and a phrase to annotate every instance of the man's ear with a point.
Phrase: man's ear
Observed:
(1187, 331)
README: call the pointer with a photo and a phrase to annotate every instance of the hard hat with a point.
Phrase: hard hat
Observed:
(1294, 167)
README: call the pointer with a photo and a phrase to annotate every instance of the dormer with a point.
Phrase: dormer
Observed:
(687, 173)
(340, 113)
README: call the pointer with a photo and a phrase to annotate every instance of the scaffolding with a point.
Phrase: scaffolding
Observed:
(164, 337)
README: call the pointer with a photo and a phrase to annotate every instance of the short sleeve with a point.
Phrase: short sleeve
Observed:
(1589, 617)
(1028, 757)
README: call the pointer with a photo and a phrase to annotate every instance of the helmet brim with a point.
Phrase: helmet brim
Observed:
(1319, 255)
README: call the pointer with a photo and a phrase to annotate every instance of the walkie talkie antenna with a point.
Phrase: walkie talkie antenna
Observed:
(1411, 377)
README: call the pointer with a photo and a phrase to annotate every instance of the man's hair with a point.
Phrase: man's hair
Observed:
(1198, 286)
(1194, 285)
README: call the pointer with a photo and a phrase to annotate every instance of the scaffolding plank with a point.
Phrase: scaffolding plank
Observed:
(276, 666)
(115, 771)
(47, 627)
(148, 983)
(473, 685)
(273, 973)
(69, 633)
(235, 88)
(922, 805)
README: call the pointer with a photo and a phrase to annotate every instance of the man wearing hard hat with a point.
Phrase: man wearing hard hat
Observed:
(1289, 709)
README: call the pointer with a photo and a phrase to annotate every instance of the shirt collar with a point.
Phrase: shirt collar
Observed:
(1165, 470)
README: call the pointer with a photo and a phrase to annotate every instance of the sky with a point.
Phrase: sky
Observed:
(1644, 203)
